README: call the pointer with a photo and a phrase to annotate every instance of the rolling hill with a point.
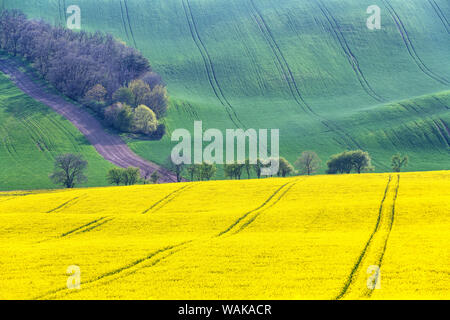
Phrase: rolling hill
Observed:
(256, 239)
(310, 68)
(32, 135)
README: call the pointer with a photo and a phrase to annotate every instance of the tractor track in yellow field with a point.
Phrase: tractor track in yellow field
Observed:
(162, 254)
(375, 248)
(167, 199)
(246, 219)
(152, 259)
(65, 205)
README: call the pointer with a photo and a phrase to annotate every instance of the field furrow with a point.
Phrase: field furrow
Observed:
(357, 285)
(164, 201)
(122, 14)
(410, 47)
(129, 23)
(441, 15)
(339, 36)
(246, 219)
(149, 261)
(209, 66)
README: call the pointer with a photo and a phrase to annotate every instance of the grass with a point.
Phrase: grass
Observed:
(283, 244)
(309, 68)
(32, 135)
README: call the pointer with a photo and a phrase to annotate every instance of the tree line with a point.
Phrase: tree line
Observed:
(308, 163)
(94, 69)
(69, 168)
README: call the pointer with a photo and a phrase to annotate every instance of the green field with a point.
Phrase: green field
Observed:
(32, 135)
(310, 68)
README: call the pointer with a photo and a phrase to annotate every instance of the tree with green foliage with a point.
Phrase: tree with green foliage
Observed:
(114, 176)
(120, 116)
(285, 168)
(192, 171)
(308, 163)
(130, 176)
(347, 161)
(154, 177)
(124, 95)
(399, 161)
(144, 120)
(97, 94)
(234, 170)
(206, 171)
(157, 99)
(69, 170)
(361, 161)
(139, 89)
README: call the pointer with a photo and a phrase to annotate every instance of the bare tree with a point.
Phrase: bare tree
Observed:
(176, 168)
(69, 170)
(308, 163)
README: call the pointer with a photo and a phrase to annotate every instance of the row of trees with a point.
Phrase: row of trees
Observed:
(92, 68)
(69, 171)
(130, 176)
(69, 168)
(308, 163)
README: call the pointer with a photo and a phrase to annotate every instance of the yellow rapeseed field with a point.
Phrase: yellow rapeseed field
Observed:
(369, 236)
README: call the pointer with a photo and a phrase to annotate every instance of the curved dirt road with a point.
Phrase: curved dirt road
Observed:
(109, 146)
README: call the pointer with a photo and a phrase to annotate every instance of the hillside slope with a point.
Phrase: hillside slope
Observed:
(32, 136)
(295, 238)
(305, 67)
(109, 145)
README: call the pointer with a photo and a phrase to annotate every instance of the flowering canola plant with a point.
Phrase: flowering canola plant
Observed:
(369, 236)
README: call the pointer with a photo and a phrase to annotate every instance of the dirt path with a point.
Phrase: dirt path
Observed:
(109, 146)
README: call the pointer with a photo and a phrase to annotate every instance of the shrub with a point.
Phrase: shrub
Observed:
(144, 120)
